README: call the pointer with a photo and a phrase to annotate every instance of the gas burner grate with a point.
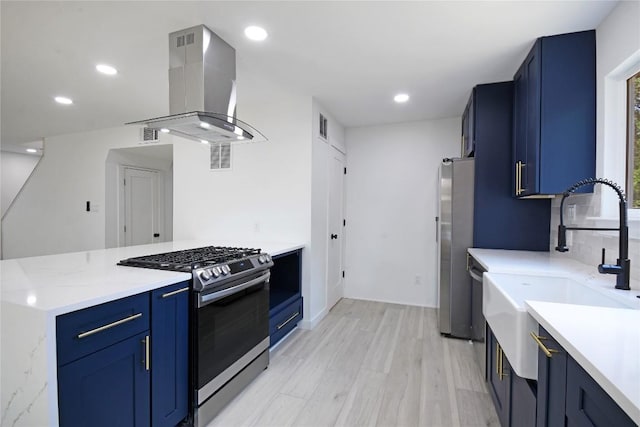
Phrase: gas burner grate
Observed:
(187, 260)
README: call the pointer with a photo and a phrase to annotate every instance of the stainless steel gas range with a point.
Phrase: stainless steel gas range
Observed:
(229, 323)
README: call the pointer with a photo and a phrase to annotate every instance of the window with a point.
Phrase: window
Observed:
(633, 141)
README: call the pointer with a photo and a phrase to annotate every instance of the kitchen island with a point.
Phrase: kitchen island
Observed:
(602, 340)
(34, 291)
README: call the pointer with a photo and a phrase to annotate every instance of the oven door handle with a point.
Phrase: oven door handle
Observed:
(215, 296)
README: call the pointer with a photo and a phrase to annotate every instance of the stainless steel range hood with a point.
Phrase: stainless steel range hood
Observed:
(202, 90)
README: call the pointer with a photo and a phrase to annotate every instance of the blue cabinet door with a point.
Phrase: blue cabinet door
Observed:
(588, 404)
(552, 381)
(169, 352)
(554, 115)
(107, 388)
(498, 378)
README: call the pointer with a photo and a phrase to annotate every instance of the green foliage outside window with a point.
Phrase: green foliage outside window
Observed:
(634, 135)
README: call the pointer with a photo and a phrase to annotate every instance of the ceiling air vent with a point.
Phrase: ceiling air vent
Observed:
(148, 135)
(324, 127)
(220, 156)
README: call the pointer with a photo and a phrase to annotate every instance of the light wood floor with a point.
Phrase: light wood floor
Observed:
(367, 364)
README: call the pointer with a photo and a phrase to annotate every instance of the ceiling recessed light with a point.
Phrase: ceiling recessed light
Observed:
(165, 130)
(255, 33)
(240, 137)
(63, 100)
(106, 69)
(31, 150)
(401, 97)
(204, 141)
(205, 125)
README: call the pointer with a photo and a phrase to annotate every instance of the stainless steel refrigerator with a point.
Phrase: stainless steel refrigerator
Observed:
(455, 235)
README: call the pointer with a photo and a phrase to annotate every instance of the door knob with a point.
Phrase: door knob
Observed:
(334, 236)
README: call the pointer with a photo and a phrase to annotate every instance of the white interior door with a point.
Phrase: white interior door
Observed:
(335, 285)
(141, 206)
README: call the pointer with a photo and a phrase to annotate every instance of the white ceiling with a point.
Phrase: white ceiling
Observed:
(352, 56)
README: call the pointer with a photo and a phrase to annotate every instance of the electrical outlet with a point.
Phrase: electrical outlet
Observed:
(418, 280)
(571, 213)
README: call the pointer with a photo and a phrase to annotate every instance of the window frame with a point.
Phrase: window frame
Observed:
(630, 140)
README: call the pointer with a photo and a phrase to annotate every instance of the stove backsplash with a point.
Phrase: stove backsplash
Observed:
(586, 246)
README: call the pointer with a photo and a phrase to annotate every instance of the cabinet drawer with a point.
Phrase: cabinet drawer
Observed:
(281, 323)
(91, 329)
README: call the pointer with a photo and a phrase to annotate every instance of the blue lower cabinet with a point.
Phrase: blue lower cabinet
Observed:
(107, 388)
(283, 322)
(169, 350)
(523, 402)
(498, 378)
(552, 382)
(125, 363)
(588, 404)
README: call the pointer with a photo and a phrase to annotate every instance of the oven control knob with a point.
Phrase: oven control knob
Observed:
(262, 259)
(215, 271)
(204, 275)
(267, 258)
(225, 269)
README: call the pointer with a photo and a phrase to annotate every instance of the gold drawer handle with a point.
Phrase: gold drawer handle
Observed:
(282, 325)
(109, 326)
(538, 339)
(170, 294)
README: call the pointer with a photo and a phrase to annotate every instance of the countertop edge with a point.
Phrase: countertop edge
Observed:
(630, 408)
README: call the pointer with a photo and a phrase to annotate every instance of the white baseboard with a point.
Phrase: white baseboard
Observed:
(389, 301)
(310, 324)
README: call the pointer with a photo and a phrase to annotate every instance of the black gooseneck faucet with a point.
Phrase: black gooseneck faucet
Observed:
(622, 267)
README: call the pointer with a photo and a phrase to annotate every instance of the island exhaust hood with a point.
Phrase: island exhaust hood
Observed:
(202, 90)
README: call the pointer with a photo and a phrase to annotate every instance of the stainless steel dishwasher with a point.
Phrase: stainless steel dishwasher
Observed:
(477, 318)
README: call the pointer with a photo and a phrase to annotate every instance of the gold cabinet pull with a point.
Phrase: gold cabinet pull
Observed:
(146, 361)
(517, 183)
(538, 339)
(109, 326)
(293, 316)
(497, 359)
(521, 189)
(468, 256)
(501, 373)
(170, 294)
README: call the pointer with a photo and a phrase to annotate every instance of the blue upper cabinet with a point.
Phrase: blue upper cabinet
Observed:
(501, 221)
(554, 128)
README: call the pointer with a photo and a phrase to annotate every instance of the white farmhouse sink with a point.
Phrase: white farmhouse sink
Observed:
(503, 305)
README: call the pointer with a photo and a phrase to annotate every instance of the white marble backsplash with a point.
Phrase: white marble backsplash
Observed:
(586, 246)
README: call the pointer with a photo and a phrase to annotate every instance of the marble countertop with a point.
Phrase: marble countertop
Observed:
(35, 290)
(605, 342)
(59, 284)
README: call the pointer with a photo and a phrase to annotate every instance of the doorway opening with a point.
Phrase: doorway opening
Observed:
(139, 196)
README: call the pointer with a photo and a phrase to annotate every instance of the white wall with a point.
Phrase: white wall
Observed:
(618, 49)
(15, 168)
(321, 153)
(49, 215)
(265, 197)
(391, 186)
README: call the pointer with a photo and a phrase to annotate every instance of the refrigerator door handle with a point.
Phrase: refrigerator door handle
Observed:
(437, 228)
